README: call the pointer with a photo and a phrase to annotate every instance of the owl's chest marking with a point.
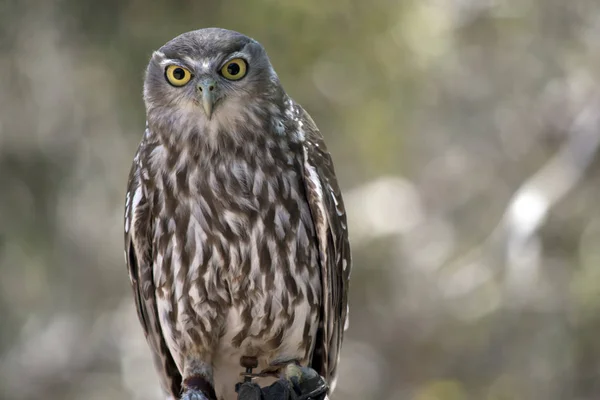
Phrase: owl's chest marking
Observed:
(235, 266)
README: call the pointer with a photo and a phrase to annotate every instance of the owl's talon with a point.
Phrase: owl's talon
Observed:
(306, 382)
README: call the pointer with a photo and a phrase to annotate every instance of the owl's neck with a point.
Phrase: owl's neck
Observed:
(232, 129)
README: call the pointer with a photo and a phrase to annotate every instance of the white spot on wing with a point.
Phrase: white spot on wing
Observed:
(137, 197)
(347, 322)
(314, 178)
(127, 213)
(300, 131)
(130, 211)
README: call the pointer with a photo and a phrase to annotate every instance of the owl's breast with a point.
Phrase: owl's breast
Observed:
(235, 266)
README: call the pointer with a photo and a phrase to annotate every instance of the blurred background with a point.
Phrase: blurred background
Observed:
(465, 135)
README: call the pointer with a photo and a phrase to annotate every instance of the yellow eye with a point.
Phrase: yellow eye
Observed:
(234, 69)
(177, 76)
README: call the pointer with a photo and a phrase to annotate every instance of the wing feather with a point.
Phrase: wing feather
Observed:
(138, 252)
(329, 217)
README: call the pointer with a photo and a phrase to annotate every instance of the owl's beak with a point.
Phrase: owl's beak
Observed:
(207, 91)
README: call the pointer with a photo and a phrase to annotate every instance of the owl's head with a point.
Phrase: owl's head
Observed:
(210, 76)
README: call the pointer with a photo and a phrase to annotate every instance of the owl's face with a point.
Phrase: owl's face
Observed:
(208, 75)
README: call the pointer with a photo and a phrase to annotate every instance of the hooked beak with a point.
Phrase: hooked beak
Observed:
(207, 92)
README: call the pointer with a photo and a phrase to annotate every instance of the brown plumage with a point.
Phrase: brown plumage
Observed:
(235, 230)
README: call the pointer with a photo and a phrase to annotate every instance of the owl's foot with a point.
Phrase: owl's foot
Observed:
(297, 383)
(198, 388)
(305, 382)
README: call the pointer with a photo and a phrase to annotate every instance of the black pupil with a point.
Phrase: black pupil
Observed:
(178, 73)
(233, 69)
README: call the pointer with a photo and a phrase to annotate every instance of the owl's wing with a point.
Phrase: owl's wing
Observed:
(329, 217)
(138, 254)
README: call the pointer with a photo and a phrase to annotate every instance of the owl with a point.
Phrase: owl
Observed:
(235, 229)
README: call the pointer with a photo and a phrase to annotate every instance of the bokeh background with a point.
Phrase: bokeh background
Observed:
(465, 135)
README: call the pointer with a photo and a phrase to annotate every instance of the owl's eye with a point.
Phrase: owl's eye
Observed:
(177, 76)
(234, 69)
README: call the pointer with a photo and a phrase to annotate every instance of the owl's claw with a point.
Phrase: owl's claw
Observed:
(297, 383)
(306, 382)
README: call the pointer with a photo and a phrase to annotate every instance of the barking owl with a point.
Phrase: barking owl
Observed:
(235, 229)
